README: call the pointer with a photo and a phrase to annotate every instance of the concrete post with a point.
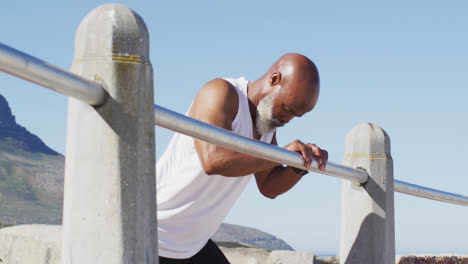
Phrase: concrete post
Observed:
(367, 212)
(110, 190)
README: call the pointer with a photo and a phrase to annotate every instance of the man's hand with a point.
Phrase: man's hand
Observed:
(309, 152)
(279, 179)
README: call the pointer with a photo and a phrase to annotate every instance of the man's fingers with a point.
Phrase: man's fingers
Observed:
(305, 152)
(310, 157)
(306, 155)
(309, 152)
(325, 156)
(324, 159)
(316, 151)
(320, 155)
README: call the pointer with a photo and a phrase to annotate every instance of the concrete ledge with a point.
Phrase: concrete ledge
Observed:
(41, 244)
(238, 253)
(31, 244)
(241, 253)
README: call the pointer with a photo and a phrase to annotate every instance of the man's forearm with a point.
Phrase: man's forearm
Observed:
(232, 164)
(278, 181)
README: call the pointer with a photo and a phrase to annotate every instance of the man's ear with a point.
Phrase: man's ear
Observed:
(275, 78)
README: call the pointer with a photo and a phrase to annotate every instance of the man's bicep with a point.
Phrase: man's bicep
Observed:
(216, 103)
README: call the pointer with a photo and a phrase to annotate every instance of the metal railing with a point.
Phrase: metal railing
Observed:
(180, 123)
(37, 71)
(32, 69)
(429, 193)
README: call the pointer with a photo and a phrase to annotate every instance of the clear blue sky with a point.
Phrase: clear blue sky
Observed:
(401, 65)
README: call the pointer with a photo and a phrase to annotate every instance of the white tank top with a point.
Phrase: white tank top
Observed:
(191, 205)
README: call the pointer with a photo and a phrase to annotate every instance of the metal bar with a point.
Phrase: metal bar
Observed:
(40, 72)
(428, 193)
(180, 123)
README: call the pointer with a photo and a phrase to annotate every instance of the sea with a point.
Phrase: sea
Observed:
(326, 255)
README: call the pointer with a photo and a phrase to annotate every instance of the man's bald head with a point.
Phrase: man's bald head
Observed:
(290, 88)
(298, 77)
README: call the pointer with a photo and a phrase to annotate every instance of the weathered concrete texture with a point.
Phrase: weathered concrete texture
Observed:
(367, 212)
(447, 259)
(110, 189)
(30, 244)
(238, 253)
(287, 257)
(41, 244)
(327, 260)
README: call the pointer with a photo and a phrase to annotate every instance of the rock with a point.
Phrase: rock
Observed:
(327, 260)
(425, 259)
(31, 244)
(288, 257)
(239, 253)
(251, 236)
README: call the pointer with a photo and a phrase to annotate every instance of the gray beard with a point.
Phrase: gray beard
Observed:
(264, 121)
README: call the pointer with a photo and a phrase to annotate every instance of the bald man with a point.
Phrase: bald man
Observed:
(199, 182)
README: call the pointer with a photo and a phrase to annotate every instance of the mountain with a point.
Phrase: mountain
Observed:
(31, 174)
(251, 236)
(14, 137)
(31, 185)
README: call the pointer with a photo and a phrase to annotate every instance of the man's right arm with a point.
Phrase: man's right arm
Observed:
(217, 103)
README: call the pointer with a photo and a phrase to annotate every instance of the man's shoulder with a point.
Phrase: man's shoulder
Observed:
(218, 95)
(220, 90)
(220, 85)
